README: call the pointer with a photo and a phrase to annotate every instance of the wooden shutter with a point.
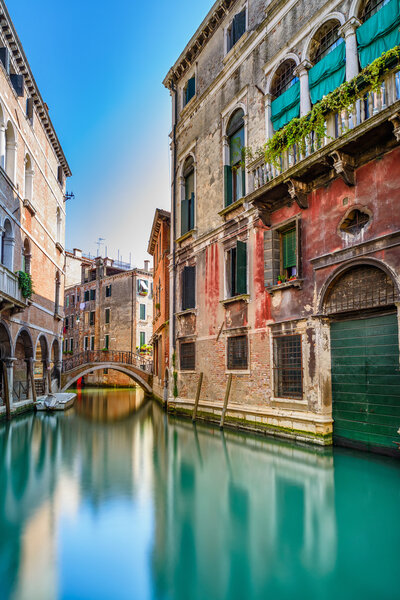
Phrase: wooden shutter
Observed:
(191, 213)
(17, 82)
(29, 109)
(188, 287)
(239, 25)
(184, 216)
(190, 89)
(60, 174)
(241, 268)
(228, 184)
(5, 58)
(271, 257)
(298, 248)
(289, 248)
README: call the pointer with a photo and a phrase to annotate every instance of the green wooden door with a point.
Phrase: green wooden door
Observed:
(366, 381)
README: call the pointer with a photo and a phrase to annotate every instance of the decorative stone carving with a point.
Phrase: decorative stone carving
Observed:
(344, 166)
(263, 213)
(395, 121)
(298, 192)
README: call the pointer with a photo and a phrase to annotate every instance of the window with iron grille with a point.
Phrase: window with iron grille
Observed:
(326, 40)
(355, 221)
(370, 8)
(237, 352)
(284, 78)
(187, 356)
(288, 373)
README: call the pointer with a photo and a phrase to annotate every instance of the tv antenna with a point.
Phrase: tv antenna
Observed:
(100, 242)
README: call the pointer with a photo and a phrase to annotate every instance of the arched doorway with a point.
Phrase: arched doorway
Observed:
(41, 364)
(55, 366)
(5, 353)
(360, 302)
(23, 356)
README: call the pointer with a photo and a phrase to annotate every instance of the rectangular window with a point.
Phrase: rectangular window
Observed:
(91, 318)
(142, 312)
(92, 342)
(187, 356)
(86, 297)
(67, 302)
(288, 253)
(86, 343)
(188, 288)
(236, 270)
(71, 345)
(190, 90)
(236, 29)
(107, 316)
(107, 341)
(187, 205)
(142, 338)
(108, 291)
(73, 300)
(237, 352)
(71, 321)
(142, 287)
(66, 323)
(93, 275)
(288, 373)
(282, 254)
(93, 294)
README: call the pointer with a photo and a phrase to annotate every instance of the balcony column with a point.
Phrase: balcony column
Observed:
(269, 130)
(348, 32)
(47, 376)
(301, 71)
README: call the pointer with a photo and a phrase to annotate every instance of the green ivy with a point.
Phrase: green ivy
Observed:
(343, 97)
(25, 284)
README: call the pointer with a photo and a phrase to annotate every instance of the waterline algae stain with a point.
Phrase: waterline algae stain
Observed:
(115, 499)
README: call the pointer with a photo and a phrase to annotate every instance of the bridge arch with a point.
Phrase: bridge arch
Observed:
(73, 378)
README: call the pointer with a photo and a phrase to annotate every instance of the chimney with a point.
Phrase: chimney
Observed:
(77, 253)
(146, 265)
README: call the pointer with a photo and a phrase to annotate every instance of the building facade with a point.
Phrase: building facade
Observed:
(110, 309)
(158, 248)
(285, 227)
(33, 172)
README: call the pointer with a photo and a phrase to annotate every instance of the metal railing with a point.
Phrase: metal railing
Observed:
(143, 362)
(20, 390)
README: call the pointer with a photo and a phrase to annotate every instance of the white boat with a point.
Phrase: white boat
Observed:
(52, 402)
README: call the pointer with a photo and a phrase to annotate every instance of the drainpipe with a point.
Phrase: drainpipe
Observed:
(174, 90)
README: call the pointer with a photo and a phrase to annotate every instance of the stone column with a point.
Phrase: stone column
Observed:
(348, 32)
(8, 364)
(47, 376)
(3, 147)
(269, 130)
(301, 71)
(31, 380)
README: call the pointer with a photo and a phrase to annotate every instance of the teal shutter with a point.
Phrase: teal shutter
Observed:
(142, 312)
(328, 73)
(191, 212)
(379, 33)
(289, 249)
(184, 216)
(286, 107)
(190, 89)
(228, 184)
(241, 268)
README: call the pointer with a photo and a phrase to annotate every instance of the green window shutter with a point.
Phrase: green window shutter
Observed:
(184, 216)
(289, 248)
(228, 184)
(191, 213)
(379, 33)
(241, 268)
(286, 107)
(142, 312)
(190, 89)
(142, 338)
(328, 73)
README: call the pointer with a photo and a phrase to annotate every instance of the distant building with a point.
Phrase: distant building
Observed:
(159, 245)
(73, 266)
(111, 308)
(33, 171)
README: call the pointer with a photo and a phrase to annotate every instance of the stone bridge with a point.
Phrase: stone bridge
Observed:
(138, 367)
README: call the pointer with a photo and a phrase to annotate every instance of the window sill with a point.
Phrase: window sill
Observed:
(297, 283)
(59, 247)
(238, 372)
(185, 109)
(187, 311)
(286, 400)
(232, 52)
(242, 297)
(57, 316)
(184, 372)
(231, 207)
(28, 204)
(185, 236)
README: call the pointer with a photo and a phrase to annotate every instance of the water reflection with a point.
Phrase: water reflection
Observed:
(116, 500)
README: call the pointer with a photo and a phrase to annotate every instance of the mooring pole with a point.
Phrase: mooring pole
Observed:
(227, 392)
(196, 402)
(31, 379)
(6, 392)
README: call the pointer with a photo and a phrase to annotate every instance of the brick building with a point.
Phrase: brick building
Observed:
(285, 265)
(159, 246)
(33, 171)
(111, 308)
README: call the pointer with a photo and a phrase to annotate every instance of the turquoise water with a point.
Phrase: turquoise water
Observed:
(116, 500)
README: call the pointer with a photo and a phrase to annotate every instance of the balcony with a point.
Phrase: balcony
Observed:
(10, 294)
(352, 138)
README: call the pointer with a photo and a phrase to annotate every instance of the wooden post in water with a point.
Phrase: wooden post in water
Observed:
(227, 392)
(196, 402)
(31, 379)
(6, 391)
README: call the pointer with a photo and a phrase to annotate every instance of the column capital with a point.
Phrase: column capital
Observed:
(268, 97)
(302, 68)
(9, 361)
(349, 28)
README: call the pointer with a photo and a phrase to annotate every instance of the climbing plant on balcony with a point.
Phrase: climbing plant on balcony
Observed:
(25, 284)
(342, 98)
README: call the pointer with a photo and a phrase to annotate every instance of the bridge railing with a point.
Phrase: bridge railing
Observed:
(108, 356)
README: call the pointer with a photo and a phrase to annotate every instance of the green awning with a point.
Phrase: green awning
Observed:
(379, 33)
(286, 107)
(328, 73)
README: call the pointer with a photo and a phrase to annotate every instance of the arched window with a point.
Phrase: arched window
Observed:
(26, 257)
(188, 199)
(59, 223)
(284, 78)
(325, 40)
(28, 178)
(234, 170)
(369, 8)
(11, 151)
(7, 246)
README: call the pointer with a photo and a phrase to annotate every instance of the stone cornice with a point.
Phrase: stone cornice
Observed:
(18, 57)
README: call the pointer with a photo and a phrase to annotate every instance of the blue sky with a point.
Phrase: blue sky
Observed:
(100, 67)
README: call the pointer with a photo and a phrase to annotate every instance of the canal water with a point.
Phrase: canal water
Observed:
(116, 500)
